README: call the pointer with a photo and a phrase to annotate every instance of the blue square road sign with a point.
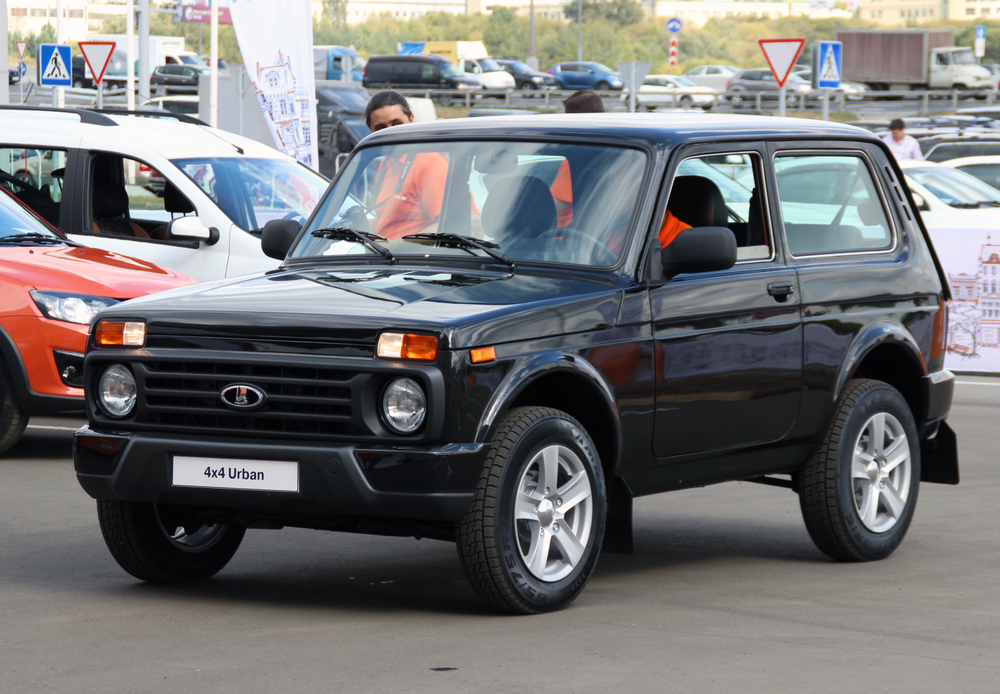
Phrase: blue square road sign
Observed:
(828, 64)
(55, 65)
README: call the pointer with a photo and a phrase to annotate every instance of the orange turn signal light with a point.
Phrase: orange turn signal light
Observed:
(407, 346)
(120, 333)
(481, 354)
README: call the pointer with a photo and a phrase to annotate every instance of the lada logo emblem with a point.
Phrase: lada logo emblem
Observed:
(242, 396)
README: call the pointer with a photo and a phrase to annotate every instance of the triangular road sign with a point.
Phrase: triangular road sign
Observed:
(98, 55)
(22, 46)
(781, 55)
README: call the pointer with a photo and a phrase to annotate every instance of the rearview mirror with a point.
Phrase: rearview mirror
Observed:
(192, 228)
(919, 201)
(700, 249)
(277, 237)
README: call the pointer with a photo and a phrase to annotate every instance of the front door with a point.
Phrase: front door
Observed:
(728, 345)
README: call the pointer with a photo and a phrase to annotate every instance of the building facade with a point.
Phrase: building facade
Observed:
(975, 310)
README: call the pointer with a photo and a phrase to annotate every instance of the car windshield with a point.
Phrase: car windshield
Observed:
(252, 192)
(685, 82)
(15, 220)
(956, 188)
(963, 58)
(519, 67)
(533, 202)
(352, 99)
(449, 70)
(489, 65)
(193, 60)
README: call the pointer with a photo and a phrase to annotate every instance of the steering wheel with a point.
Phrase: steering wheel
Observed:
(600, 254)
(4, 176)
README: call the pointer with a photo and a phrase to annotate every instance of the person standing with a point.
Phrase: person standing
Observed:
(901, 145)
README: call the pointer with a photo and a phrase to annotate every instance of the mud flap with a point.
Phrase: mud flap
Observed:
(939, 457)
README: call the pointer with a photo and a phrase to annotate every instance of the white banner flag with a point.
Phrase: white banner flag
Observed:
(276, 41)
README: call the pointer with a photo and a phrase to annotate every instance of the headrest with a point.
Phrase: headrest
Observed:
(519, 206)
(697, 201)
(175, 202)
(109, 199)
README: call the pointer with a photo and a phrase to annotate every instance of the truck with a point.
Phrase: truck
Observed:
(341, 63)
(470, 56)
(910, 59)
(163, 50)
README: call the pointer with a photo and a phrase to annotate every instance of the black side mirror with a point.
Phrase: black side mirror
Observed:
(277, 237)
(700, 249)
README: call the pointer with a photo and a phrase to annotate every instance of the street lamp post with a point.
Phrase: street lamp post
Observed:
(579, 31)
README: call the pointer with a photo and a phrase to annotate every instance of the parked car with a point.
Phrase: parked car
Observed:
(941, 147)
(218, 189)
(525, 77)
(509, 380)
(51, 288)
(852, 91)
(340, 107)
(586, 76)
(416, 72)
(951, 198)
(487, 72)
(666, 90)
(986, 168)
(82, 79)
(187, 105)
(13, 76)
(762, 80)
(176, 79)
(712, 76)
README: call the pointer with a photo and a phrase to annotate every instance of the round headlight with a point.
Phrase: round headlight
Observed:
(117, 390)
(404, 405)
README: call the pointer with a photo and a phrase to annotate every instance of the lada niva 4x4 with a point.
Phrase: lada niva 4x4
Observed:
(499, 334)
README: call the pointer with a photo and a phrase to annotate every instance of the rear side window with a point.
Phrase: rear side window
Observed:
(830, 204)
(35, 177)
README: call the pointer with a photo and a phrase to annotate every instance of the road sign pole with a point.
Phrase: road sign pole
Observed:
(826, 105)
(781, 102)
(100, 95)
(633, 89)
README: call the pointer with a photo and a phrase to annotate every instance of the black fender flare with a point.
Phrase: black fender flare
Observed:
(531, 369)
(872, 337)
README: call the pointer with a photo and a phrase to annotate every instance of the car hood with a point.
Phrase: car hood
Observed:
(354, 303)
(85, 270)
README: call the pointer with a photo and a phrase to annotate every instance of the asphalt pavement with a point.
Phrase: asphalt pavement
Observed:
(725, 593)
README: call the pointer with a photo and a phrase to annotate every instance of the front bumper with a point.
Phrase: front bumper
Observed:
(417, 483)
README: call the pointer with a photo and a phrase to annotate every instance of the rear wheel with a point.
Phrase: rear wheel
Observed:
(163, 543)
(860, 489)
(686, 102)
(13, 420)
(601, 86)
(532, 535)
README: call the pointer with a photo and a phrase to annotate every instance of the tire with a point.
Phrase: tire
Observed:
(498, 549)
(602, 86)
(78, 84)
(686, 102)
(849, 486)
(136, 535)
(13, 420)
(737, 98)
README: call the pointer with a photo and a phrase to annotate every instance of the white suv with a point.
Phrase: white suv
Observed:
(168, 190)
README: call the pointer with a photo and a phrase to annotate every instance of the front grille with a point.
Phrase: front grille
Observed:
(300, 399)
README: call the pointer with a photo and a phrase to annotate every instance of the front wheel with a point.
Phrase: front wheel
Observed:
(602, 86)
(532, 535)
(162, 543)
(859, 490)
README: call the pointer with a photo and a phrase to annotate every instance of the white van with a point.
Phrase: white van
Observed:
(181, 195)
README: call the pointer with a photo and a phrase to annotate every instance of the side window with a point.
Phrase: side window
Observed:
(35, 177)
(723, 190)
(830, 204)
(713, 71)
(428, 74)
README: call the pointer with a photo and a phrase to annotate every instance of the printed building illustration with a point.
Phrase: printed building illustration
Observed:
(286, 110)
(974, 311)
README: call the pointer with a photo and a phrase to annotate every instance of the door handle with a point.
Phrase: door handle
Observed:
(781, 290)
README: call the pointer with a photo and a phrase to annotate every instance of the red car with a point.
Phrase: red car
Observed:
(50, 288)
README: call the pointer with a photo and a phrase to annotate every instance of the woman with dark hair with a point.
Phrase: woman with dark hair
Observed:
(409, 190)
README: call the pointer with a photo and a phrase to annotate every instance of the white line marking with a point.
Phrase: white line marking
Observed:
(975, 383)
(43, 426)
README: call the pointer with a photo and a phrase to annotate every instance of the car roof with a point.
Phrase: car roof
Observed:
(669, 129)
(972, 161)
(51, 128)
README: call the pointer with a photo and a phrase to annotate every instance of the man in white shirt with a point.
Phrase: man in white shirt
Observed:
(900, 144)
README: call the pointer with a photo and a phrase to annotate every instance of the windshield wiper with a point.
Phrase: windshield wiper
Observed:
(487, 247)
(33, 237)
(989, 203)
(966, 205)
(363, 237)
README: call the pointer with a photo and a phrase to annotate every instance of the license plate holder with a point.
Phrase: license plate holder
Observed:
(240, 474)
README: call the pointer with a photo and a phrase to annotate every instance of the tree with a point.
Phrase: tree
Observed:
(621, 12)
(335, 12)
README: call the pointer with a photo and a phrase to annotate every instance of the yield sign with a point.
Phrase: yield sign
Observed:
(22, 46)
(781, 55)
(98, 55)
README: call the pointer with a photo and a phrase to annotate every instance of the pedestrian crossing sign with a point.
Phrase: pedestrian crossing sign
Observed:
(55, 65)
(827, 64)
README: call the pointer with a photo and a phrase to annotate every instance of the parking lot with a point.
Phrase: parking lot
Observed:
(725, 593)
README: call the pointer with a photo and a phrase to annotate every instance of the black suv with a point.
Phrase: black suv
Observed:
(415, 72)
(492, 332)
